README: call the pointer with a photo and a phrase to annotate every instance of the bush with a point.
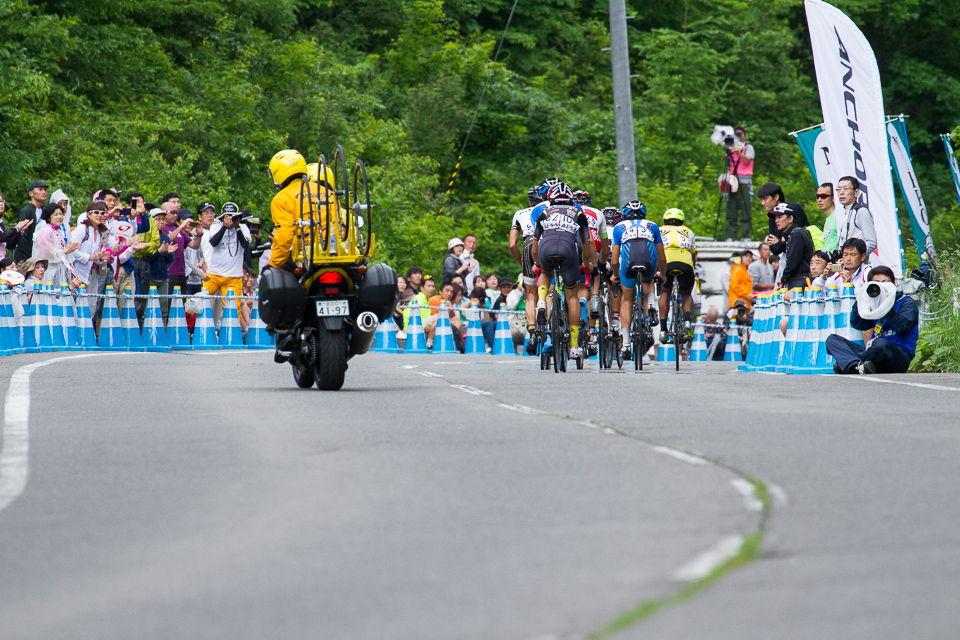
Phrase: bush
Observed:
(938, 349)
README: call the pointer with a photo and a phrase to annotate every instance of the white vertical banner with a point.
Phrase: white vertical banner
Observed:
(853, 120)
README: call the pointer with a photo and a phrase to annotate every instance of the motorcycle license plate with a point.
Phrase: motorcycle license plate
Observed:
(331, 308)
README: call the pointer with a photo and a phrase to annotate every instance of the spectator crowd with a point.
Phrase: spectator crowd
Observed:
(130, 243)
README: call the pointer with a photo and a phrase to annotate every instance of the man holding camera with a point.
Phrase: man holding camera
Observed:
(223, 245)
(740, 156)
(895, 333)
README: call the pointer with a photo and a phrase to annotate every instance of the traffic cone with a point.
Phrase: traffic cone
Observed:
(385, 340)
(844, 328)
(154, 336)
(68, 320)
(111, 335)
(416, 341)
(86, 335)
(443, 336)
(732, 351)
(828, 327)
(28, 324)
(257, 336)
(665, 353)
(204, 333)
(474, 343)
(56, 321)
(178, 336)
(756, 336)
(230, 335)
(129, 326)
(785, 362)
(42, 303)
(10, 321)
(698, 349)
(806, 333)
(502, 339)
(6, 335)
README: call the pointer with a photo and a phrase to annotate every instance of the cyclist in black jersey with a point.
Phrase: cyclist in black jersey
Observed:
(562, 236)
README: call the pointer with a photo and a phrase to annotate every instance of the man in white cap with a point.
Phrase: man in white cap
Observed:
(223, 246)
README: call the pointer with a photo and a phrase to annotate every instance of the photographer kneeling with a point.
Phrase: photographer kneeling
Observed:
(894, 319)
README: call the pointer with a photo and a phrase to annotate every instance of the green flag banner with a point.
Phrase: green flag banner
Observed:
(952, 161)
(815, 150)
(902, 165)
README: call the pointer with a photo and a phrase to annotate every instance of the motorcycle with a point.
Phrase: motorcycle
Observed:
(326, 309)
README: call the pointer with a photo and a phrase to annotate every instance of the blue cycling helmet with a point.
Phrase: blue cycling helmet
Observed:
(634, 210)
(533, 195)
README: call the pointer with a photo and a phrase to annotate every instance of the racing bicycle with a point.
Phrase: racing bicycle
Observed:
(641, 327)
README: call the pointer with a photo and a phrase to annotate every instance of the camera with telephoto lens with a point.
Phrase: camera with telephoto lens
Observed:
(724, 136)
(873, 289)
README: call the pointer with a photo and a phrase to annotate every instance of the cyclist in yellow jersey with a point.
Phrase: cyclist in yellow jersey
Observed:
(680, 247)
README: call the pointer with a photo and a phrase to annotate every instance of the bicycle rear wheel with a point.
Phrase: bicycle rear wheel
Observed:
(677, 322)
(556, 335)
(638, 332)
(602, 328)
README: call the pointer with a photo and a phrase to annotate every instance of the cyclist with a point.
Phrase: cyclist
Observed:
(636, 243)
(601, 239)
(680, 248)
(522, 231)
(562, 236)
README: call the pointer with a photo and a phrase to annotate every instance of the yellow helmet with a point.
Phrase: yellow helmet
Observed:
(286, 163)
(673, 214)
(313, 170)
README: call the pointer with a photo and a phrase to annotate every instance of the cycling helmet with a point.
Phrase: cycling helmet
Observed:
(582, 197)
(634, 210)
(612, 214)
(560, 194)
(546, 185)
(673, 214)
(533, 195)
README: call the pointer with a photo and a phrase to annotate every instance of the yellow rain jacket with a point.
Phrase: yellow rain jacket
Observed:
(285, 211)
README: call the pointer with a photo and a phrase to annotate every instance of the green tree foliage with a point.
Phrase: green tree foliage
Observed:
(196, 96)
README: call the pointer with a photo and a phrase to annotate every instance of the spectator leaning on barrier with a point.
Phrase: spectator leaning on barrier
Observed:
(223, 245)
(895, 334)
(10, 237)
(741, 284)
(762, 272)
(796, 245)
(511, 297)
(52, 243)
(855, 221)
(149, 235)
(177, 229)
(819, 274)
(826, 205)
(159, 262)
(448, 292)
(249, 291)
(38, 197)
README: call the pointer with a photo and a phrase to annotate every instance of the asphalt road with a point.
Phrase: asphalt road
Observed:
(204, 496)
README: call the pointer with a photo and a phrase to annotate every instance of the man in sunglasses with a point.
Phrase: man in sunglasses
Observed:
(826, 204)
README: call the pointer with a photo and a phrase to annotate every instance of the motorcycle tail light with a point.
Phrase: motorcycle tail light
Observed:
(330, 277)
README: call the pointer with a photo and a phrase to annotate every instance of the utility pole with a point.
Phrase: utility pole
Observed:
(622, 105)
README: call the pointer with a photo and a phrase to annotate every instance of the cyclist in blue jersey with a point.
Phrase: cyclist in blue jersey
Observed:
(522, 230)
(562, 236)
(636, 243)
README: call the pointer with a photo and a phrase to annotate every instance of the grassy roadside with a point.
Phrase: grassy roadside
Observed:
(938, 349)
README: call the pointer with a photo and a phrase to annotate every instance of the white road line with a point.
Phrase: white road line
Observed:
(920, 385)
(680, 455)
(749, 493)
(779, 495)
(15, 454)
(410, 366)
(706, 562)
(429, 374)
(471, 390)
(530, 411)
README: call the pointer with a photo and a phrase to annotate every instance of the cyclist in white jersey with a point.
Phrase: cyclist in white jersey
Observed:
(597, 223)
(522, 231)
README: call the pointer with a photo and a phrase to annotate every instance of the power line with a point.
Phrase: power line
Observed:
(456, 167)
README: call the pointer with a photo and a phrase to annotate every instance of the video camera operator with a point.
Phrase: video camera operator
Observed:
(894, 319)
(738, 174)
